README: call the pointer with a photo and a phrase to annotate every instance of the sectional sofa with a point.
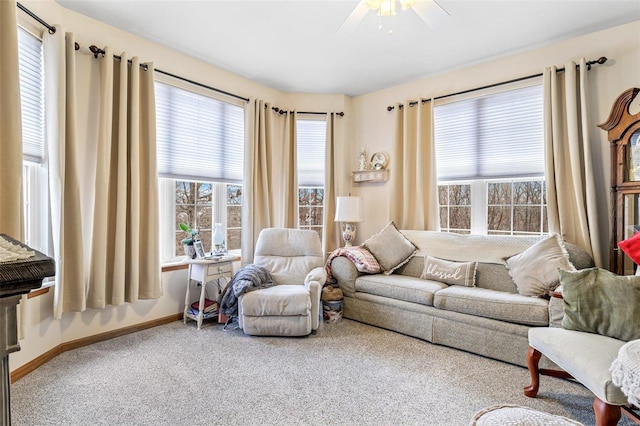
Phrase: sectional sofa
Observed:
(489, 316)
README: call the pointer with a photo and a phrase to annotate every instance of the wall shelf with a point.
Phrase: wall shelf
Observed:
(363, 176)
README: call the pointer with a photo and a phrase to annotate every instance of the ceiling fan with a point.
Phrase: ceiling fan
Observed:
(430, 12)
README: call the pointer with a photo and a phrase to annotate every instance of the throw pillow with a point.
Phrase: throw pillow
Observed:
(631, 247)
(449, 272)
(599, 301)
(535, 270)
(390, 248)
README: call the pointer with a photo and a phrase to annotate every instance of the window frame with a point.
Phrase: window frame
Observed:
(479, 202)
(479, 206)
(167, 194)
(35, 174)
(301, 206)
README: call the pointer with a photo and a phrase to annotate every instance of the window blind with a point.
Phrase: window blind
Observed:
(198, 137)
(494, 136)
(31, 95)
(311, 135)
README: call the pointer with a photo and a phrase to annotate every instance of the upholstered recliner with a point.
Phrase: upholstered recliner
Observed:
(292, 307)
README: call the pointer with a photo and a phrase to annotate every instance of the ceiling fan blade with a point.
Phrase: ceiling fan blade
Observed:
(353, 20)
(431, 13)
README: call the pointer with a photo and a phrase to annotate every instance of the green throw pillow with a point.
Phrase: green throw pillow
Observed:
(598, 301)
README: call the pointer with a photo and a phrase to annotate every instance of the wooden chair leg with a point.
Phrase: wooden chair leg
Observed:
(533, 358)
(606, 414)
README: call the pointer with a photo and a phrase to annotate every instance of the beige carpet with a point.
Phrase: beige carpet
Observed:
(346, 374)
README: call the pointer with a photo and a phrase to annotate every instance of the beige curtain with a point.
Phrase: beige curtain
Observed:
(125, 259)
(571, 193)
(257, 208)
(414, 183)
(11, 206)
(331, 235)
(64, 184)
(290, 172)
(11, 222)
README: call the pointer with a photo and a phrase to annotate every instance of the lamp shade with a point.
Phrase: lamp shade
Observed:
(349, 209)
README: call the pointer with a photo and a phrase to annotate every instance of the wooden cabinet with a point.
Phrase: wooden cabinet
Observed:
(623, 130)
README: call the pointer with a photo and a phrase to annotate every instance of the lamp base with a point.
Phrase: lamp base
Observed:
(348, 234)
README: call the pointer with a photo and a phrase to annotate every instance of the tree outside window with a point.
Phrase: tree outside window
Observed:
(310, 202)
(455, 208)
(234, 216)
(194, 206)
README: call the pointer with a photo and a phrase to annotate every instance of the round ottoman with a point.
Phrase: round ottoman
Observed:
(512, 415)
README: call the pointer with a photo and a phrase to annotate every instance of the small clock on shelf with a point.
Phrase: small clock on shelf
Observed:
(379, 161)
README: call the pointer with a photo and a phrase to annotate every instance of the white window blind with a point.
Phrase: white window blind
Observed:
(311, 135)
(493, 136)
(31, 95)
(198, 137)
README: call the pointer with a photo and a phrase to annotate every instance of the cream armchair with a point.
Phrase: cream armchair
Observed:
(292, 307)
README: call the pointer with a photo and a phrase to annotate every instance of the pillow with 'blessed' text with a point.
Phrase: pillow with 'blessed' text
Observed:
(449, 272)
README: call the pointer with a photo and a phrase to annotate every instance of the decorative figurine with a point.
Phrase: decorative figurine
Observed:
(363, 164)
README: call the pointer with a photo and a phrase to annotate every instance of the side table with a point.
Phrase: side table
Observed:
(203, 271)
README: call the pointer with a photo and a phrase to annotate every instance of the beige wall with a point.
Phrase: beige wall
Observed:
(374, 126)
(366, 123)
(42, 333)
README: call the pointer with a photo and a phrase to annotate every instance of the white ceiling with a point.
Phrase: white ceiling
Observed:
(292, 45)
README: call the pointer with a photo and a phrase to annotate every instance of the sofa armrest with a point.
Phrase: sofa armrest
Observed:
(317, 274)
(556, 308)
(345, 274)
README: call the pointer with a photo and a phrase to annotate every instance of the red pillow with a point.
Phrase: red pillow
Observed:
(631, 246)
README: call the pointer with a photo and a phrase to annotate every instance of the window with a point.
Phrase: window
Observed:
(35, 184)
(490, 157)
(200, 145)
(516, 208)
(311, 136)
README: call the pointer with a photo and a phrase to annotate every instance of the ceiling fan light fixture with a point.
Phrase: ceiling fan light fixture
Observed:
(406, 4)
(387, 8)
(373, 4)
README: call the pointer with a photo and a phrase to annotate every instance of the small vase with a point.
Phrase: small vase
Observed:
(189, 250)
(218, 238)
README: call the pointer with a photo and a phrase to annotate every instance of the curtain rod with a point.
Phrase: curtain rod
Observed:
(601, 60)
(51, 29)
(96, 51)
(284, 111)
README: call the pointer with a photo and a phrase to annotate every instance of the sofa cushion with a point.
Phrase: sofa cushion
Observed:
(390, 248)
(599, 301)
(587, 357)
(497, 305)
(279, 300)
(399, 287)
(494, 277)
(449, 272)
(535, 271)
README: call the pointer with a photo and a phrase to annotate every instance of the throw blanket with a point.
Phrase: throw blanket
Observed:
(625, 371)
(360, 256)
(462, 248)
(251, 277)
(10, 252)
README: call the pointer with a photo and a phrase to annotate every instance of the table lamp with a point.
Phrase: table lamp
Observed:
(349, 210)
